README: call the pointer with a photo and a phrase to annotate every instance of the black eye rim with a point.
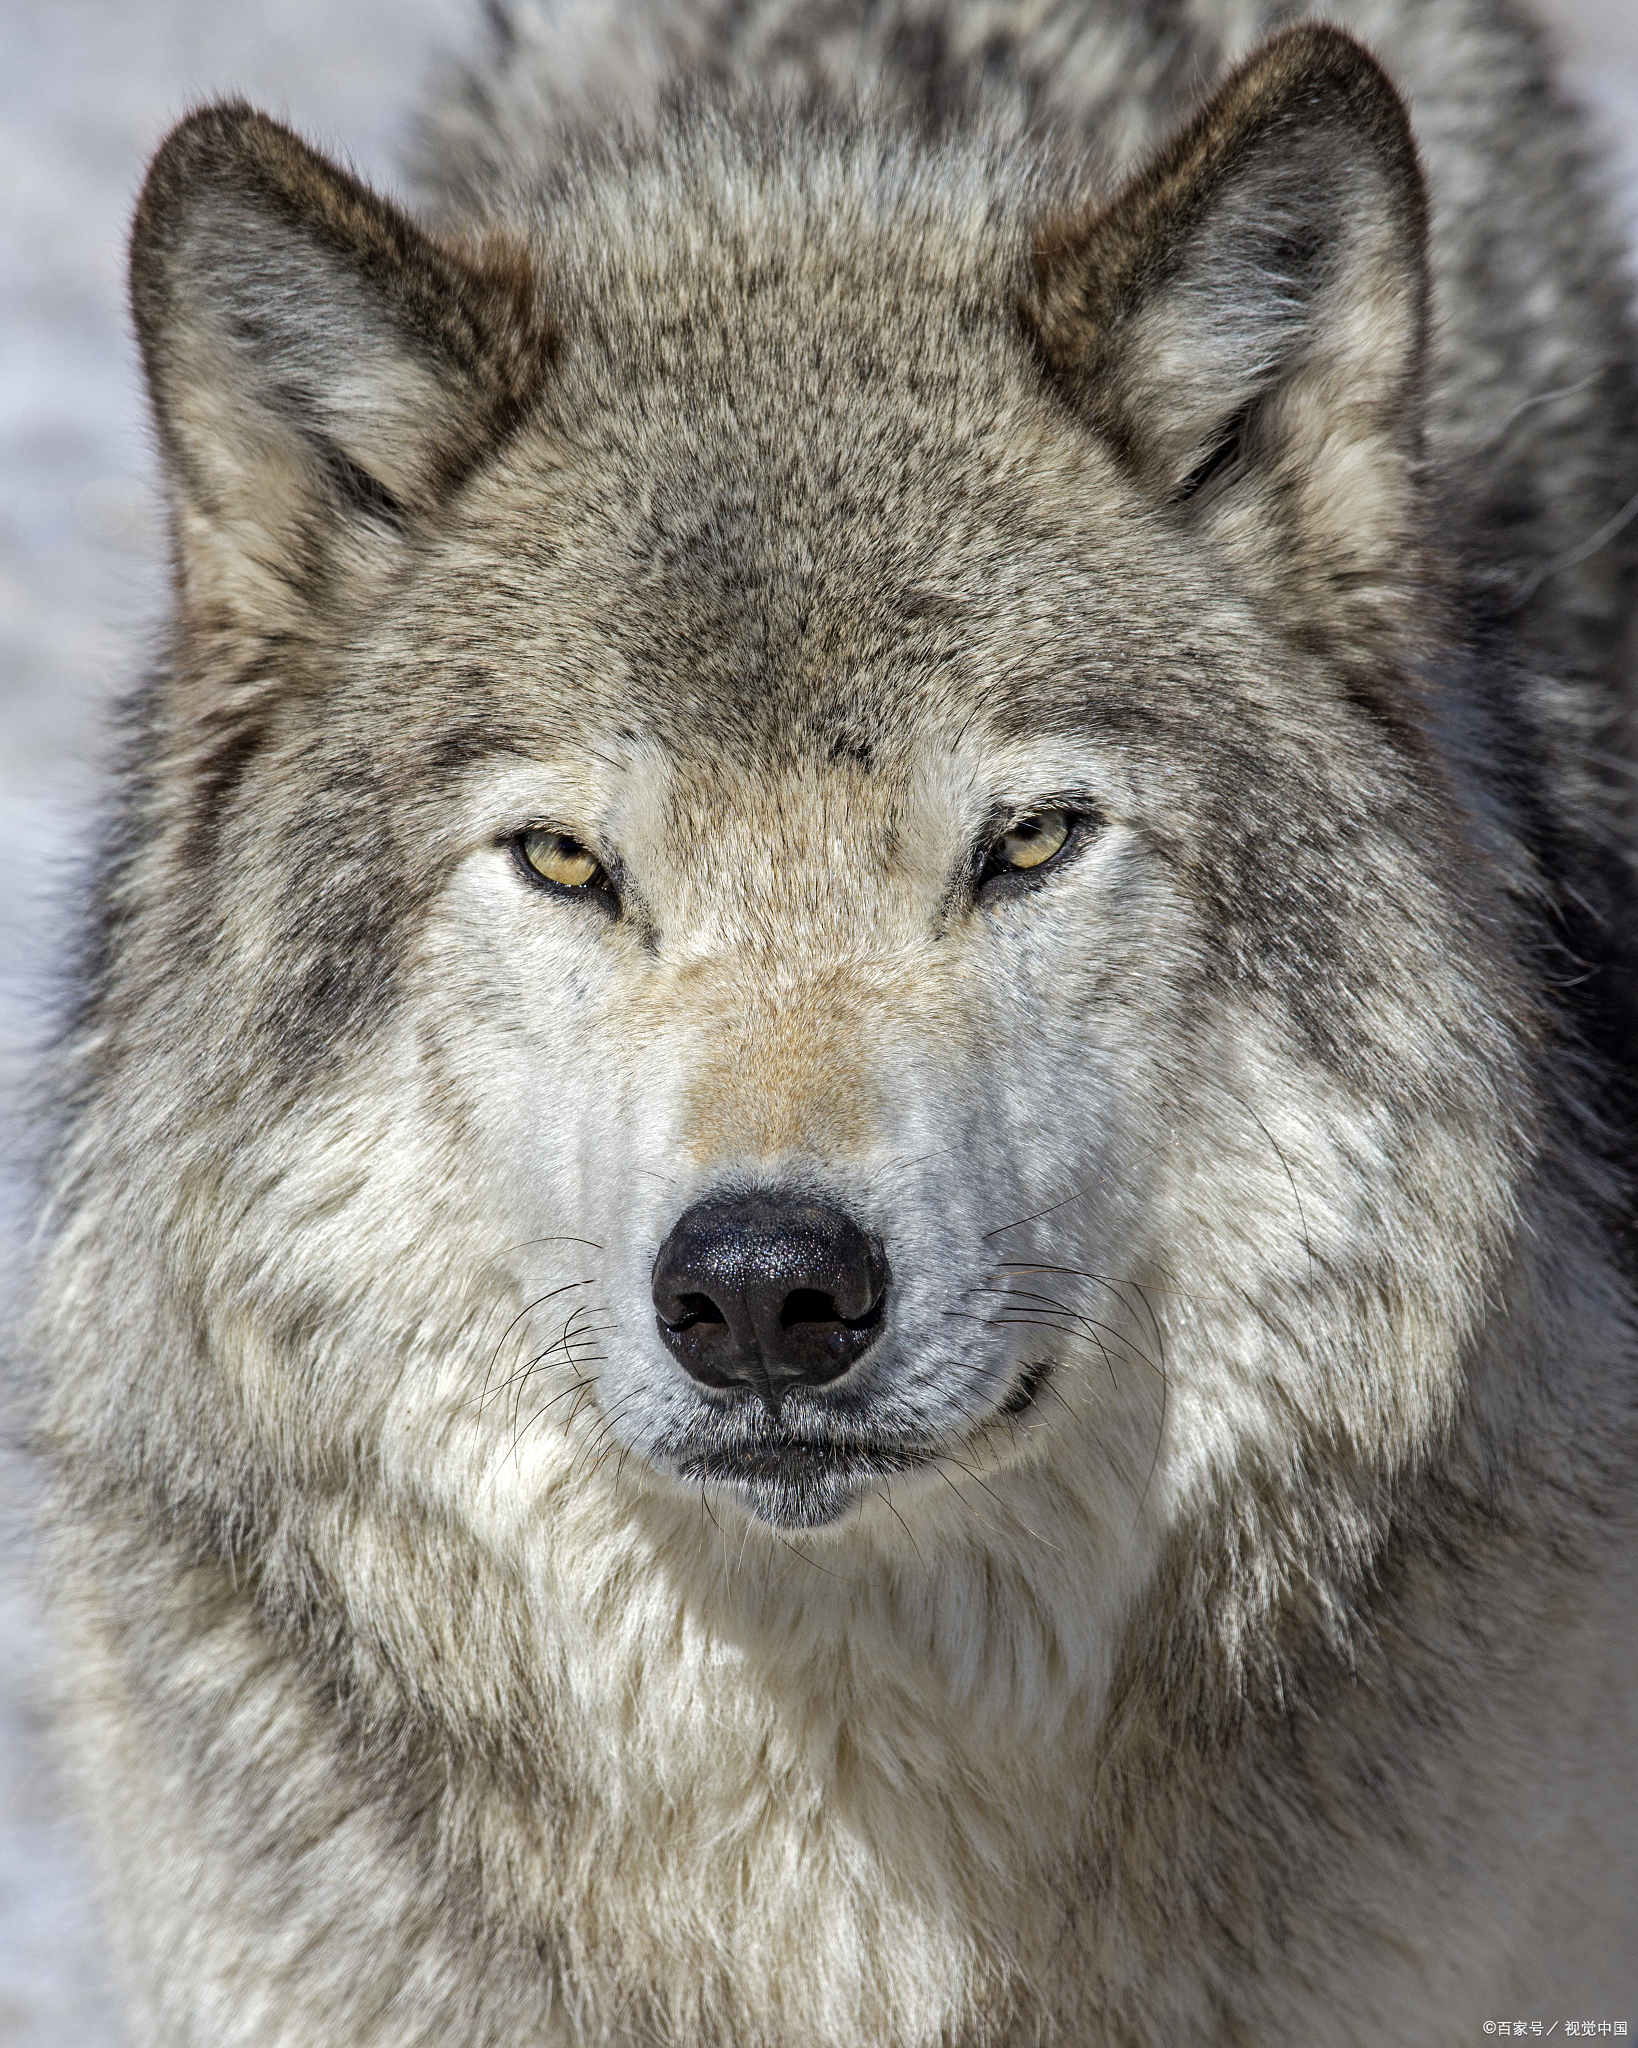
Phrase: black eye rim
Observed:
(602, 889)
(992, 878)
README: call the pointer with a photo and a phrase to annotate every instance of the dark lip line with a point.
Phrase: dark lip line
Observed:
(726, 1468)
(857, 1460)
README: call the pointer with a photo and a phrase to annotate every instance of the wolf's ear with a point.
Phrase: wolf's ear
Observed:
(1246, 320)
(321, 368)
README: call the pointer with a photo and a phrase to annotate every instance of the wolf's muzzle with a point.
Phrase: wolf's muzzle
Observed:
(760, 1293)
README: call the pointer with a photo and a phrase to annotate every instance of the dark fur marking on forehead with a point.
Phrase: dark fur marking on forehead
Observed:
(920, 602)
(851, 750)
(454, 745)
(470, 725)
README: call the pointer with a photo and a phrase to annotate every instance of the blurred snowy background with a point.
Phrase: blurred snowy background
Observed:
(87, 87)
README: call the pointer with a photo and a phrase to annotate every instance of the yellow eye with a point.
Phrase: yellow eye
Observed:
(1031, 842)
(558, 859)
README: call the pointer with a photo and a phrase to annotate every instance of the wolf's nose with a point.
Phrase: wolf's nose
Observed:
(767, 1292)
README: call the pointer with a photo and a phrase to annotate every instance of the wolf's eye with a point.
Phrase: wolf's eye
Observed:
(563, 862)
(1028, 843)
(1031, 842)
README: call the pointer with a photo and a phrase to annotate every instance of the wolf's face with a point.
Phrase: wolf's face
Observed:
(842, 759)
(820, 997)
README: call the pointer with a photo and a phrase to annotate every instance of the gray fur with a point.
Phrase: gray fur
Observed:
(810, 439)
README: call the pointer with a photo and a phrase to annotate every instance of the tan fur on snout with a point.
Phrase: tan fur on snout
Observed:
(806, 1066)
(798, 950)
(782, 1075)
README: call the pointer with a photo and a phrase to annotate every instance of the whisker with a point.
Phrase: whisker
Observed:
(594, 1454)
(1103, 1280)
(527, 1309)
(1165, 1400)
(564, 1343)
(1017, 1307)
(535, 1363)
(1094, 1328)
(1302, 1219)
(1021, 1321)
(1007, 1508)
(1051, 1209)
(839, 1577)
(523, 1244)
(967, 1504)
(581, 1389)
(590, 1453)
(886, 1499)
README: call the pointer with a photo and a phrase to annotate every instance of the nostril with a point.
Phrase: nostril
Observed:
(806, 1305)
(685, 1311)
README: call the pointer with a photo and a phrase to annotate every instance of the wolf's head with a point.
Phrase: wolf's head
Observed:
(790, 854)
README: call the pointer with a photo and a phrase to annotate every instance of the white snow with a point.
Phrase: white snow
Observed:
(87, 87)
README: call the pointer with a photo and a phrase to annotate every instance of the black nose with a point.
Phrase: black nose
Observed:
(767, 1292)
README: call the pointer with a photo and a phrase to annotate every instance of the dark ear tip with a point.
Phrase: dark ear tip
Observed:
(1317, 61)
(1318, 46)
(207, 142)
(211, 146)
(231, 154)
(239, 216)
(1311, 76)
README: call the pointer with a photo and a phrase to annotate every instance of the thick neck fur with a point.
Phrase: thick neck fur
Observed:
(862, 1788)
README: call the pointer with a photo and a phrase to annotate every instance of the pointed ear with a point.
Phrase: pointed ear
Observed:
(322, 370)
(1246, 321)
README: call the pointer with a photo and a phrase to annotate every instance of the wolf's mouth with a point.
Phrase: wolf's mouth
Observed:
(801, 1471)
(794, 1484)
(794, 1478)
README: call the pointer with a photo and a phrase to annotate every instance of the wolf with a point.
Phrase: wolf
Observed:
(840, 1243)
